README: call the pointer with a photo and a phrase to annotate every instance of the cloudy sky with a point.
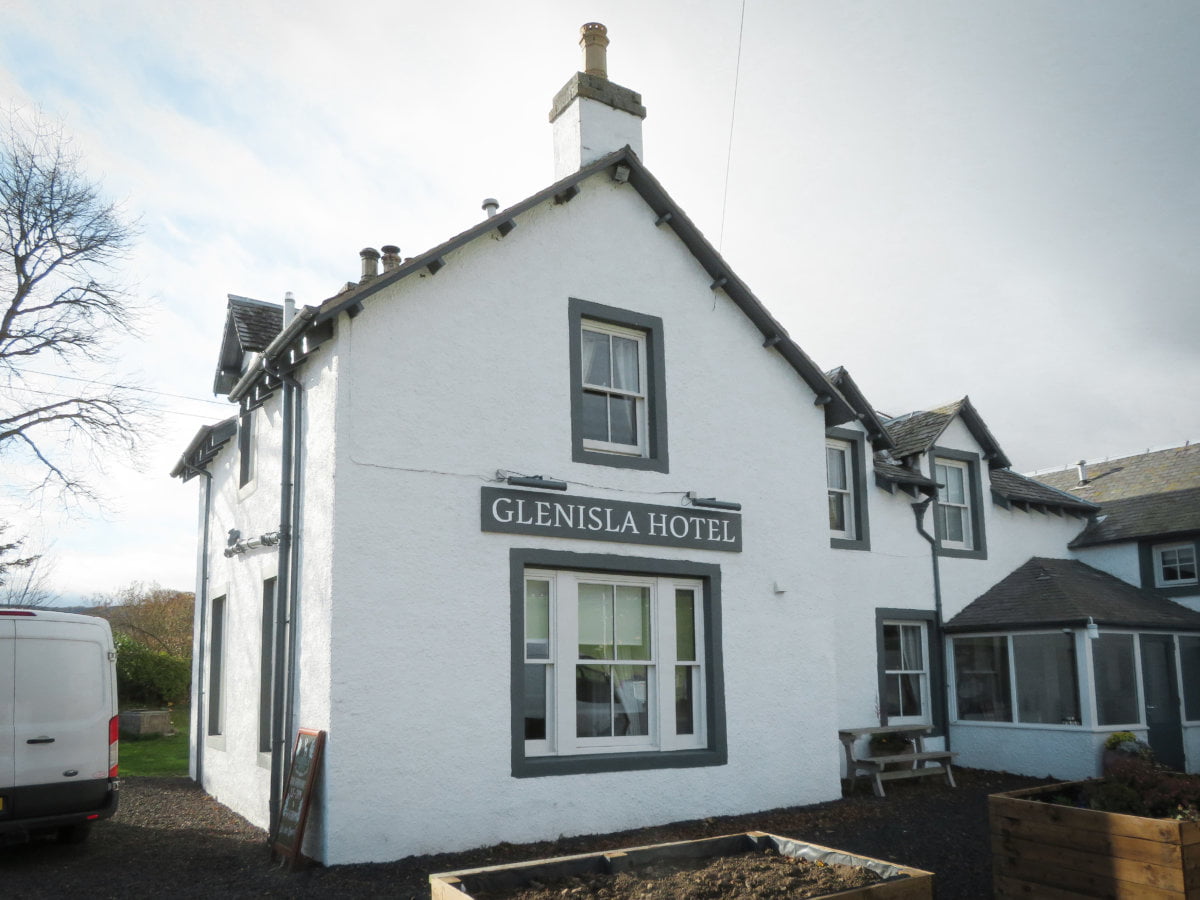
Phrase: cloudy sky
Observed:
(988, 198)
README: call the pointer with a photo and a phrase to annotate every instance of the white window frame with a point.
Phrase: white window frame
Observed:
(641, 448)
(968, 541)
(850, 532)
(1159, 550)
(926, 706)
(563, 650)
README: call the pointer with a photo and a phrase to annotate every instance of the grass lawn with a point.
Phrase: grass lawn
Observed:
(158, 755)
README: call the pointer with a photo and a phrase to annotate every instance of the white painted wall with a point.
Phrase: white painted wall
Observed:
(420, 732)
(1062, 752)
(1120, 560)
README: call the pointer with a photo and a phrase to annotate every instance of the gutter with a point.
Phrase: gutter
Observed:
(939, 626)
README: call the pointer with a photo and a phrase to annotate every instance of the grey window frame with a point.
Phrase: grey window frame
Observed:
(934, 665)
(656, 458)
(245, 448)
(216, 665)
(858, 497)
(1148, 565)
(978, 549)
(266, 669)
(715, 754)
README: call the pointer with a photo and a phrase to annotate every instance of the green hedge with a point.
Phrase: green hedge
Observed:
(151, 677)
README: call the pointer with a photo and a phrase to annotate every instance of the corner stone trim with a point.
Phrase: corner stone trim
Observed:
(597, 87)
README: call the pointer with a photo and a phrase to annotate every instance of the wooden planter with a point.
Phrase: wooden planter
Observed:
(1042, 849)
(900, 882)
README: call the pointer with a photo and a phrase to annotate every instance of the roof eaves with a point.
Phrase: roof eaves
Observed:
(210, 439)
(841, 379)
(996, 457)
(836, 409)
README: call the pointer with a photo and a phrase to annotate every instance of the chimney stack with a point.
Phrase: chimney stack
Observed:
(591, 115)
(370, 263)
(594, 42)
(391, 257)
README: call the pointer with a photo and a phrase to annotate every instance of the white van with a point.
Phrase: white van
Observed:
(58, 724)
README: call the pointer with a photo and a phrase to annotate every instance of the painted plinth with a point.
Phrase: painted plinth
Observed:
(1045, 850)
(900, 882)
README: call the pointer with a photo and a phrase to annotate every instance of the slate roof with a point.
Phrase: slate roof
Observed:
(1024, 491)
(1152, 494)
(1154, 472)
(1152, 515)
(203, 447)
(863, 410)
(890, 473)
(917, 432)
(255, 321)
(1065, 592)
(623, 165)
(250, 326)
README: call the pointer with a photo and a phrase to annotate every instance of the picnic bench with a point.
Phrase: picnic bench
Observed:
(920, 762)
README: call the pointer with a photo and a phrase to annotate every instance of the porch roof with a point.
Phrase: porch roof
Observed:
(1065, 592)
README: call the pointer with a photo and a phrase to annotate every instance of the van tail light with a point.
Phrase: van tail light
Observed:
(114, 731)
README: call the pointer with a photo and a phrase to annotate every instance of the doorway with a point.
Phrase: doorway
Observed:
(1160, 686)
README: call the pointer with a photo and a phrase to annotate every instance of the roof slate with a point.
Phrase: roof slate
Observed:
(256, 322)
(902, 475)
(1010, 486)
(1157, 472)
(1065, 592)
(1152, 515)
(917, 431)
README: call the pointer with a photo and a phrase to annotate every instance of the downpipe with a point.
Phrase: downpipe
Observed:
(285, 650)
(944, 698)
(199, 731)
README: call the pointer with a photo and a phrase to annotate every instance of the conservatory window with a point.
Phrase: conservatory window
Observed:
(1047, 678)
(1115, 675)
(1189, 664)
(981, 677)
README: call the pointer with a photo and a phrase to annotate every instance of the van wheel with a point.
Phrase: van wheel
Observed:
(74, 834)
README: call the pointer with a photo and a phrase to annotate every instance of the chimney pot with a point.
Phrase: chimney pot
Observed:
(289, 307)
(490, 206)
(391, 257)
(594, 41)
(370, 263)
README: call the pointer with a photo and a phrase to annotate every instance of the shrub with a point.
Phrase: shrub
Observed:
(151, 677)
(1138, 786)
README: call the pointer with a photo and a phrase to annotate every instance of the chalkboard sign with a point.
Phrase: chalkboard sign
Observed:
(297, 793)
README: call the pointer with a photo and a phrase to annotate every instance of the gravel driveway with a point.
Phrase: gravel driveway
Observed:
(170, 839)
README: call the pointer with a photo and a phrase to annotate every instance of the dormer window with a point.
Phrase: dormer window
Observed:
(958, 520)
(839, 475)
(954, 504)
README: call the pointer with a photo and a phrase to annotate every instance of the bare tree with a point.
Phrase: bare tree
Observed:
(23, 579)
(160, 618)
(59, 244)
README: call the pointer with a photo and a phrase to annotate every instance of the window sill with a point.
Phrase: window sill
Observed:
(849, 543)
(215, 742)
(539, 766)
(955, 553)
(619, 460)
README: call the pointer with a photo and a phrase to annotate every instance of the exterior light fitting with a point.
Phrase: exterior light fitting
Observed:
(1093, 630)
(713, 502)
(536, 481)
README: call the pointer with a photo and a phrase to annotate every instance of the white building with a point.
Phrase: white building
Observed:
(554, 530)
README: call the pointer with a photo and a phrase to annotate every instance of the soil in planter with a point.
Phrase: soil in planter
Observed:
(747, 876)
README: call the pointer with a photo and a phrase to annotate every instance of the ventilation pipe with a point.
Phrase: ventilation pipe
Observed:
(490, 206)
(391, 257)
(1081, 467)
(289, 308)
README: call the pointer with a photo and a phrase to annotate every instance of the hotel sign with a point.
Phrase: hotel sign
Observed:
(591, 519)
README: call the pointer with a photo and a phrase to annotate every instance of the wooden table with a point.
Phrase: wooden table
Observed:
(921, 762)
